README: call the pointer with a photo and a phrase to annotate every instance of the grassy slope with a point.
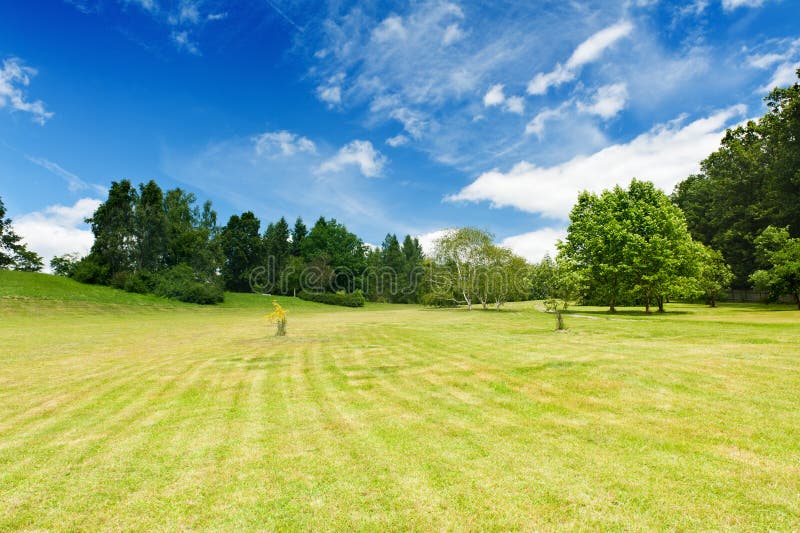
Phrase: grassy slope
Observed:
(126, 412)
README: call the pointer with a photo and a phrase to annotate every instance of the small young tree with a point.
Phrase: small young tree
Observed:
(463, 252)
(277, 317)
(781, 255)
(64, 265)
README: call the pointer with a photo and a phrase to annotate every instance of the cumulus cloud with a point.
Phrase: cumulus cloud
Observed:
(534, 245)
(496, 97)
(607, 101)
(282, 142)
(356, 153)
(58, 229)
(665, 154)
(587, 52)
(74, 183)
(14, 76)
(428, 240)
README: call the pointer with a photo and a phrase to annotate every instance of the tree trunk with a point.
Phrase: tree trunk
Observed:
(660, 304)
(647, 304)
(713, 301)
(559, 320)
(611, 307)
(797, 299)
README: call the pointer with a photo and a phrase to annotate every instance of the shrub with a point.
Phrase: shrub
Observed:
(278, 317)
(181, 283)
(141, 282)
(439, 299)
(353, 299)
(87, 270)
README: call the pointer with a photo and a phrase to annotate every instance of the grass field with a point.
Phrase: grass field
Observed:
(123, 412)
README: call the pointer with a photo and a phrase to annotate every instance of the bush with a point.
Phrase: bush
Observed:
(353, 299)
(181, 283)
(141, 283)
(439, 299)
(87, 270)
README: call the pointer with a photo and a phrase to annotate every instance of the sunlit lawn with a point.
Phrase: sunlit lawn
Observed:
(125, 412)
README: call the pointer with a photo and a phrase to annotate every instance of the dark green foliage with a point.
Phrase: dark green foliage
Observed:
(352, 299)
(90, 270)
(243, 250)
(779, 254)
(113, 226)
(182, 283)
(150, 228)
(299, 233)
(750, 183)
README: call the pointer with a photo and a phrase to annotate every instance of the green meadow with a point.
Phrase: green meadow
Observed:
(128, 412)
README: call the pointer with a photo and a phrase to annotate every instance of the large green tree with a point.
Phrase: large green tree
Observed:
(779, 254)
(752, 181)
(629, 242)
(113, 223)
(243, 250)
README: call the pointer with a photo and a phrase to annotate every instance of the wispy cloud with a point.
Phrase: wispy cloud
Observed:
(74, 183)
(666, 154)
(14, 77)
(587, 52)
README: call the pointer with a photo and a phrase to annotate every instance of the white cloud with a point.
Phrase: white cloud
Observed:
(390, 29)
(358, 153)
(14, 75)
(428, 240)
(665, 154)
(515, 104)
(184, 42)
(534, 245)
(452, 34)
(607, 101)
(331, 91)
(729, 5)
(74, 183)
(784, 76)
(496, 97)
(58, 229)
(147, 5)
(282, 142)
(217, 16)
(397, 140)
(586, 52)
(413, 121)
(538, 123)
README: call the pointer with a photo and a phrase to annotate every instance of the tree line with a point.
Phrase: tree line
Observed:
(748, 193)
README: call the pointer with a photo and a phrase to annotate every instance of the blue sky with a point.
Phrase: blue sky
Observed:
(391, 117)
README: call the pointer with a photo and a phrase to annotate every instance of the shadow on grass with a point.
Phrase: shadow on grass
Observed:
(623, 312)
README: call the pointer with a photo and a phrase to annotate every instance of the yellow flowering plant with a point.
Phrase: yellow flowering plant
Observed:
(277, 317)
